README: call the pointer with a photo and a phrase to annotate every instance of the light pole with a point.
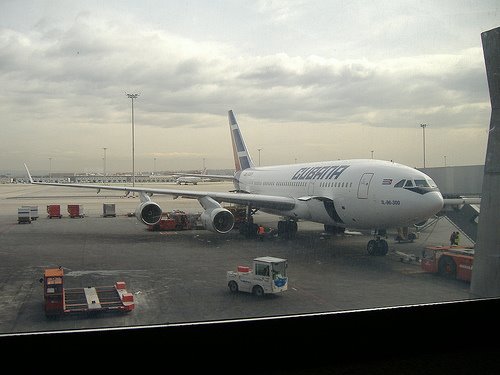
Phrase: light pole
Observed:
(259, 149)
(423, 126)
(445, 160)
(372, 153)
(50, 168)
(104, 159)
(154, 167)
(133, 96)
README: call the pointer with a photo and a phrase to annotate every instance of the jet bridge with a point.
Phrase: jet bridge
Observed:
(466, 219)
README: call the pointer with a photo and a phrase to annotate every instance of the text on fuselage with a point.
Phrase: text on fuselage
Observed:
(320, 173)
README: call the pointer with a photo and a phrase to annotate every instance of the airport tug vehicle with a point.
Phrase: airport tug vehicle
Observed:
(59, 300)
(268, 276)
(450, 261)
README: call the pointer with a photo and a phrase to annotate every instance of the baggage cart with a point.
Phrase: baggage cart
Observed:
(108, 210)
(33, 211)
(54, 210)
(59, 300)
(75, 210)
(23, 215)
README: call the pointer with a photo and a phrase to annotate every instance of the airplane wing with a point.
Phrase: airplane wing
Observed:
(255, 200)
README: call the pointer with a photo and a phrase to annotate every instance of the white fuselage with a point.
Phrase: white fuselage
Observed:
(348, 193)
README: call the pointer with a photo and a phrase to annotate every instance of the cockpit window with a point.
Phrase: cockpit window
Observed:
(431, 183)
(409, 183)
(421, 183)
(400, 184)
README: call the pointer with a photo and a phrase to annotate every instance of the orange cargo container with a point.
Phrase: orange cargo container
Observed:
(163, 224)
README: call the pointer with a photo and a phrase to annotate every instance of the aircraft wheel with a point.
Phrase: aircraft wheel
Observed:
(329, 228)
(258, 291)
(253, 229)
(281, 227)
(447, 267)
(372, 247)
(243, 228)
(287, 228)
(233, 286)
(383, 247)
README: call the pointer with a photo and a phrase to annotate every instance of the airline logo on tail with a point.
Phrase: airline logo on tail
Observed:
(242, 159)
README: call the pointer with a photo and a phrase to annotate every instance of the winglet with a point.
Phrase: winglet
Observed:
(29, 174)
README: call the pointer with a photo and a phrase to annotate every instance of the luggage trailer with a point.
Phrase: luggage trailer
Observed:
(60, 301)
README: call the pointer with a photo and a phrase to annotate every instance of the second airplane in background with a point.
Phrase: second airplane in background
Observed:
(360, 194)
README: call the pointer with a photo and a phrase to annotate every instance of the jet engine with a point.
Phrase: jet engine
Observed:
(217, 220)
(148, 213)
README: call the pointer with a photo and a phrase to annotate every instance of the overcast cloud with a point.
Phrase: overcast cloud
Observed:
(307, 81)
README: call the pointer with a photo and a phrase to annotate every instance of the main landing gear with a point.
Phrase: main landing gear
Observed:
(249, 229)
(378, 246)
(287, 228)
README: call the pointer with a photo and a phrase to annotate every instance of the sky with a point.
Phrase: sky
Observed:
(307, 81)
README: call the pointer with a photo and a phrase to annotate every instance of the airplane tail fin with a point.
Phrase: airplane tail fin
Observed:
(242, 159)
(29, 174)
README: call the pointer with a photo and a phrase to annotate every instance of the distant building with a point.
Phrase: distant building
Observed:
(457, 181)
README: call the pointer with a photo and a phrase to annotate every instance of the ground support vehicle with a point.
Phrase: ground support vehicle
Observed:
(449, 261)
(268, 275)
(59, 300)
(54, 210)
(177, 220)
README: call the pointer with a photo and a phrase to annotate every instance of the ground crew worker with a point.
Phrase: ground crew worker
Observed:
(261, 232)
(453, 238)
(457, 238)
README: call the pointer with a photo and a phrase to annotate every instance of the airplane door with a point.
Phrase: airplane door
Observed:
(310, 188)
(364, 185)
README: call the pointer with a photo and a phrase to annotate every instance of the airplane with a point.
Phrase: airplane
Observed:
(191, 178)
(362, 194)
(188, 180)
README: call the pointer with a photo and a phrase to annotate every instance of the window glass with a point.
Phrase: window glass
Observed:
(291, 101)
(279, 270)
(262, 269)
(400, 184)
(421, 183)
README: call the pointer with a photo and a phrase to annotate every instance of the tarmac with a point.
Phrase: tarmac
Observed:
(179, 277)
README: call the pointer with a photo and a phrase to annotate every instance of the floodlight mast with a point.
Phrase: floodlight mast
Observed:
(133, 96)
(423, 126)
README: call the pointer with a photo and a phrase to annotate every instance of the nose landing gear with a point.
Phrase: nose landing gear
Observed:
(378, 246)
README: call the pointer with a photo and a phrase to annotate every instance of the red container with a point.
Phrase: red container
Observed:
(120, 285)
(128, 297)
(243, 269)
(54, 210)
(75, 210)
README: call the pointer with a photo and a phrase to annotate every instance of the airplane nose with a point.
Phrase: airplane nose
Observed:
(433, 202)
